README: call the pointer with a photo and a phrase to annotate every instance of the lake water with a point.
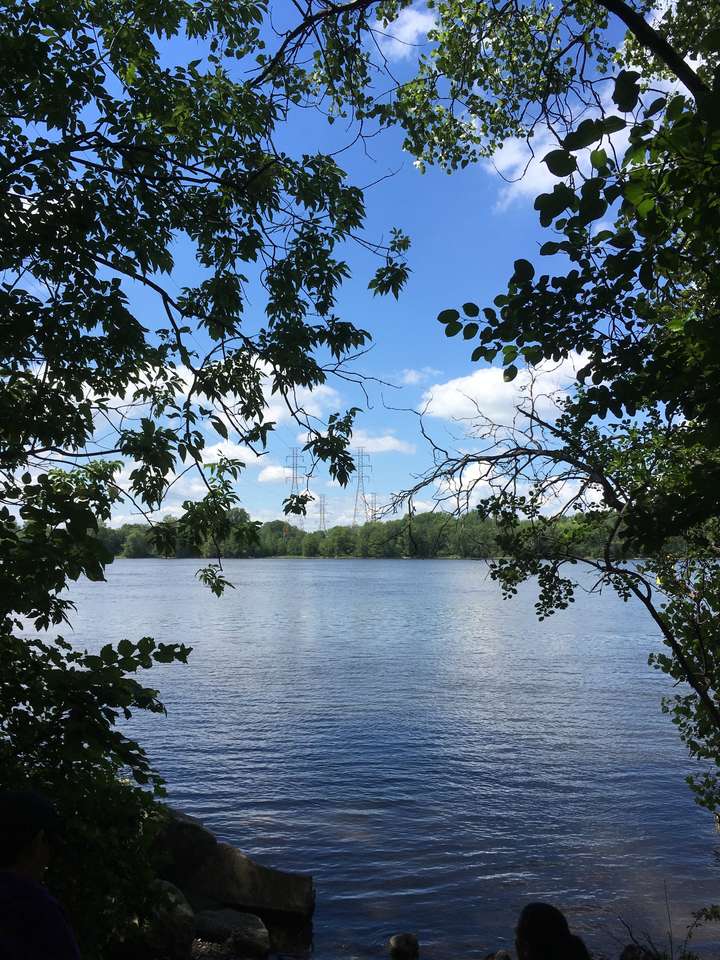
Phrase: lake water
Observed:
(432, 754)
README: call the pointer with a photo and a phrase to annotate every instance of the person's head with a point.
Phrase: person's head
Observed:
(542, 933)
(404, 946)
(28, 823)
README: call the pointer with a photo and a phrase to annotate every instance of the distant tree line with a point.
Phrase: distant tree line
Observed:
(422, 536)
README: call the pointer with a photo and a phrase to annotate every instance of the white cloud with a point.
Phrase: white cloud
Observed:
(485, 393)
(274, 473)
(410, 377)
(381, 443)
(399, 38)
(316, 403)
(469, 486)
(372, 443)
(520, 161)
(232, 451)
(521, 164)
(424, 506)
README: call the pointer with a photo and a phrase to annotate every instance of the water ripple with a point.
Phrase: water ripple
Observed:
(433, 755)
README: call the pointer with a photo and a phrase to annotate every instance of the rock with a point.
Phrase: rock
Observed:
(169, 933)
(404, 946)
(246, 933)
(250, 940)
(183, 846)
(289, 933)
(229, 878)
(635, 951)
(218, 951)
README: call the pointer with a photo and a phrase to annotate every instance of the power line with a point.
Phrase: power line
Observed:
(322, 525)
(362, 464)
(295, 462)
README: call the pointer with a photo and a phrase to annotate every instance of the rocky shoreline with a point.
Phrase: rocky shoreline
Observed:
(214, 901)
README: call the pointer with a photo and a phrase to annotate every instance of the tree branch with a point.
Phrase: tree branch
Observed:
(653, 41)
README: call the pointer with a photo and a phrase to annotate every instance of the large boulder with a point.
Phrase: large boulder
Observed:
(229, 878)
(245, 933)
(250, 940)
(169, 933)
(183, 845)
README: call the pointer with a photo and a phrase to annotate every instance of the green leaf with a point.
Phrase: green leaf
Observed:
(711, 41)
(655, 107)
(452, 328)
(533, 355)
(560, 163)
(612, 124)
(125, 648)
(592, 208)
(549, 248)
(509, 373)
(448, 316)
(471, 309)
(589, 131)
(524, 272)
(627, 90)
(646, 275)
(107, 654)
(219, 427)
(551, 205)
(470, 331)
(599, 158)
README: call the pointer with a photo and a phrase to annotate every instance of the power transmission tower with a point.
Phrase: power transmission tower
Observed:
(373, 507)
(296, 464)
(362, 464)
(322, 525)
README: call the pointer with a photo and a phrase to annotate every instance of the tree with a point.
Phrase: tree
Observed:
(123, 368)
(242, 537)
(339, 542)
(312, 543)
(136, 545)
(112, 539)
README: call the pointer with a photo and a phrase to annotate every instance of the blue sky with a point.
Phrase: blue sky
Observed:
(466, 230)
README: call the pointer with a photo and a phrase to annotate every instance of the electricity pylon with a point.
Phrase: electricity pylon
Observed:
(296, 464)
(362, 464)
(322, 525)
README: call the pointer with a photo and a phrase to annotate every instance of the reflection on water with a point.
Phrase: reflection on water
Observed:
(431, 753)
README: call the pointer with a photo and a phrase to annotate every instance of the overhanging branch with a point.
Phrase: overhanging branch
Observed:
(653, 41)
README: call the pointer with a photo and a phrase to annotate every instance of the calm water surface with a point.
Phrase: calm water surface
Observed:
(430, 752)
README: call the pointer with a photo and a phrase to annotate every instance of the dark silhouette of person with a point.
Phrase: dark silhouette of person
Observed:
(33, 925)
(542, 933)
